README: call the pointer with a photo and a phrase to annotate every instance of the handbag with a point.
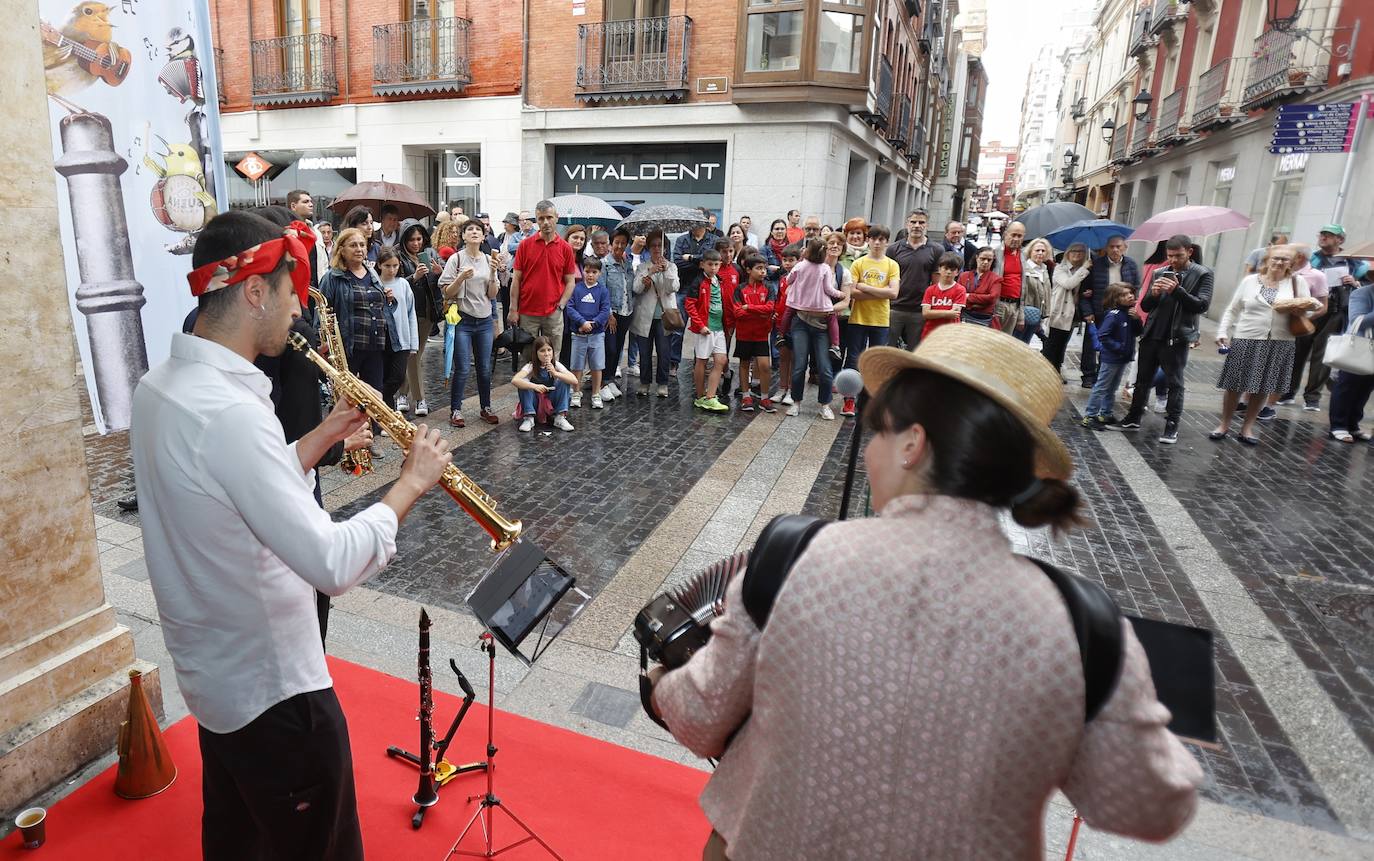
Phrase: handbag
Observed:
(1299, 325)
(672, 317)
(1350, 352)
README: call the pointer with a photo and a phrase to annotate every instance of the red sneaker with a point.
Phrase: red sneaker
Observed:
(768, 406)
(848, 408)
(746, 403)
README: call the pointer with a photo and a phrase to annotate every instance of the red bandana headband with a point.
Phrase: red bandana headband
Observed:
(297, 240)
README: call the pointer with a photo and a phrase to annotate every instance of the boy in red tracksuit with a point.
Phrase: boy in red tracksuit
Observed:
(710, 316)
(754, 308)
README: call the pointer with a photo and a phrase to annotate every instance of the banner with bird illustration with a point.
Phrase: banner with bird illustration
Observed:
(139, 172)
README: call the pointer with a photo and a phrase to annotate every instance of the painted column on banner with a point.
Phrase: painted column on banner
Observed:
(139, 172)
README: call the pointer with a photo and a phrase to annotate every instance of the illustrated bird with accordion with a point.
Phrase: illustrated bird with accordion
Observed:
(83, 51)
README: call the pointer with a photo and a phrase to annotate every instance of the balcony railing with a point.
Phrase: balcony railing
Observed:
(1170, 114)
(1165, 14)
(899, 131)
(1284, 64)
(428, 55)
(1142, 142)
(1141, 38)
(918, 143)
(219, 76)
(1121, 142)
(884, 100)
(637, 60)
(1079, 108)
(1215, 101)
(294, 69)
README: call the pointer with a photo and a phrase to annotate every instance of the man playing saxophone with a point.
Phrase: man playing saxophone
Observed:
(236, 546)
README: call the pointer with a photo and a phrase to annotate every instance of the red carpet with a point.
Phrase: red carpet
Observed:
(587, 798)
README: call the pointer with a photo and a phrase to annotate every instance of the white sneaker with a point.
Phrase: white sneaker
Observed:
(422, 409)
(561, 422)
(794, 410)
(827, 413)
(774, 396)
(787, 399)
(402, 405)
(577, 399)
(632, 370)
(596, 402)
(615, 390)
(527, 424)
(1161, 405)
(663, 391)
(607, 393)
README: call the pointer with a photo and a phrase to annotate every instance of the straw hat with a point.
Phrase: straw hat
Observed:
(998, 365)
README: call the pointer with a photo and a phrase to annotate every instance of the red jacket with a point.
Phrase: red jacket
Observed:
(753, 312)
(780, 308)
(983, 293)
(698, 306)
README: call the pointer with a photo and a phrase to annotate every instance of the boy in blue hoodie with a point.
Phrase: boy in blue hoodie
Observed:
(588, 310)
(1118, 332)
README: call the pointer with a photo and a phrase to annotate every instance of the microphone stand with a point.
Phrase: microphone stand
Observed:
(855, 441)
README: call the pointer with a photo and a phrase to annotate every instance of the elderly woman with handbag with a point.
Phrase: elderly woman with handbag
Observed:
(656, 313)
(965, 660)
(1352, 355)
(1267, 313)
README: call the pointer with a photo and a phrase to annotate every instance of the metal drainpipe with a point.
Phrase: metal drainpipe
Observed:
(347, 65)
(524, 52)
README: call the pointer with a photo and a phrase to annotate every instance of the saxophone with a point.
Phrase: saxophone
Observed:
(472, 499)
(353, 462)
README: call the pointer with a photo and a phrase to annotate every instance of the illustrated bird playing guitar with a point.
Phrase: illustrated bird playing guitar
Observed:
(83, 51)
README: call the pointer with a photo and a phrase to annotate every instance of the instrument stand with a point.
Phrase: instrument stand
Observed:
(489, 801)
(444, 771)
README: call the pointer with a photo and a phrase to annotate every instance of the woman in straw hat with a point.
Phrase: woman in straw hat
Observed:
(918, 690)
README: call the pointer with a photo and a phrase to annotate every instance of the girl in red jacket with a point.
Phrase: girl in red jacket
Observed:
(753, 307)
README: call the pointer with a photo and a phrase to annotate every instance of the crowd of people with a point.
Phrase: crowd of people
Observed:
(801, 300)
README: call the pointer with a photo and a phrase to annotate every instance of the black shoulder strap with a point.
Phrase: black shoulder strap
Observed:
(1097, 625)
(777, 547)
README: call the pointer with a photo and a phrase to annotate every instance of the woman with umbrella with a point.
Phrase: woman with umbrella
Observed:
(1255, 329)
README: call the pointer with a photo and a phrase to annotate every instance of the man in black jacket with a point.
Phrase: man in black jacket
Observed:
(1178, 294)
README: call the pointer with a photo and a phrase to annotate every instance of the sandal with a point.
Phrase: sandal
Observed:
(1248, 440)
(1218, 435)
(1342, 436)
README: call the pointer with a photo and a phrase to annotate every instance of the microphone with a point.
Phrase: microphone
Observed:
(850, 384)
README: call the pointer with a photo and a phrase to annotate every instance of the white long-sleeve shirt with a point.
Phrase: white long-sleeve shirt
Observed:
(235, 543)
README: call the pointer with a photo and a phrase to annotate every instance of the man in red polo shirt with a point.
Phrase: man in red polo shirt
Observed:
(1009, 267)
(542, 279)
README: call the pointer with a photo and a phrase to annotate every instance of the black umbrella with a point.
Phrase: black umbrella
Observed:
(1044, 220)
(665, 217)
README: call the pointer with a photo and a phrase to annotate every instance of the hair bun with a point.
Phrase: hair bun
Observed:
(1055, 504)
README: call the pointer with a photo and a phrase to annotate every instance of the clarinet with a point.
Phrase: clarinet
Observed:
(426, 795)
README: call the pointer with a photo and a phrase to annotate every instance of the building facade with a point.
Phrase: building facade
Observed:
(1192, 93)
(327, 93)
(834, 108)
(957, 159)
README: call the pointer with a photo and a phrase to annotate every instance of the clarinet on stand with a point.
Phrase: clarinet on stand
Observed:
(426, 795)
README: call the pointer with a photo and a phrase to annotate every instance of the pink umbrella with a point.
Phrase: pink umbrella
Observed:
(1191, 220)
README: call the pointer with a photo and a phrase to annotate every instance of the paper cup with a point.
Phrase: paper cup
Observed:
(33, 826)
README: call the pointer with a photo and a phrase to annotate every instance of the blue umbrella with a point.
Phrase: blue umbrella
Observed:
(1094, 233)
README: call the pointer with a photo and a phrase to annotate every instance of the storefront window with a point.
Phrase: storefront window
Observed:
(1221, 196)
(841, 42)
(774, 42)
(325, 173)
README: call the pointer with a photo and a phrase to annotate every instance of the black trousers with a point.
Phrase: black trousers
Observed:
(1348, 399)
(281, 788)
(1152, 356)
(615, 344)
(1087, 363)
(1055, 345)
(1318, 374)
(394, 374)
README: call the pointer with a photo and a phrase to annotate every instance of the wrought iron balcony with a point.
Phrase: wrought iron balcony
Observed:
(637, 60)
(294, 69)
(1079, 108)
(899, 131)
(1284, 64)
(1213, 105)
(219, 76)
(1142, 141)
(884, 100)
(1121, 145)
(428, 55)
(1165, 14)
(918, 143)
(1170, 128)
(1141, 37)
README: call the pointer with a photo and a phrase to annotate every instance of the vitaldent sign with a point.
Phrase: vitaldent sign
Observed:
(636, 170)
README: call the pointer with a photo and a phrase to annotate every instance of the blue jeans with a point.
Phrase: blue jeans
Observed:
(809, 342)
(473, 342)
(674, 347)
(1104, 389)
(859, 338)
(561, 396)
(655, 344)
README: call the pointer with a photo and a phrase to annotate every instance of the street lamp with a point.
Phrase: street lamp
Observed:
(1108, 131)
(1142, 104)
(1070, 159)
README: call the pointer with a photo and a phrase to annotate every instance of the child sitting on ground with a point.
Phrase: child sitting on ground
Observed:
(588, 310)
(811, 289)
(710, 316)
(545, 388)
(944, 300)
(1118, 331)
(753, 304)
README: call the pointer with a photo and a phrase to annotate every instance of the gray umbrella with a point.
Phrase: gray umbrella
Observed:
(1044, 220)
(669, 219)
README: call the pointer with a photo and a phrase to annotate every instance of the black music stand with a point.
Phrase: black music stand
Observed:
(523, 591)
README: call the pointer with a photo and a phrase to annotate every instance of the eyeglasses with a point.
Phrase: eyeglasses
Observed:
(1280, 259)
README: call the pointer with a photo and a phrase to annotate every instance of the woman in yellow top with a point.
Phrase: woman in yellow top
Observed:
(875, 286)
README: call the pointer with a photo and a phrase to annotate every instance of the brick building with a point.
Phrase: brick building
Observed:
(330, 92)
(832, 107)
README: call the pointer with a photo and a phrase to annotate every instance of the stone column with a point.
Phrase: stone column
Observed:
(64, 659)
